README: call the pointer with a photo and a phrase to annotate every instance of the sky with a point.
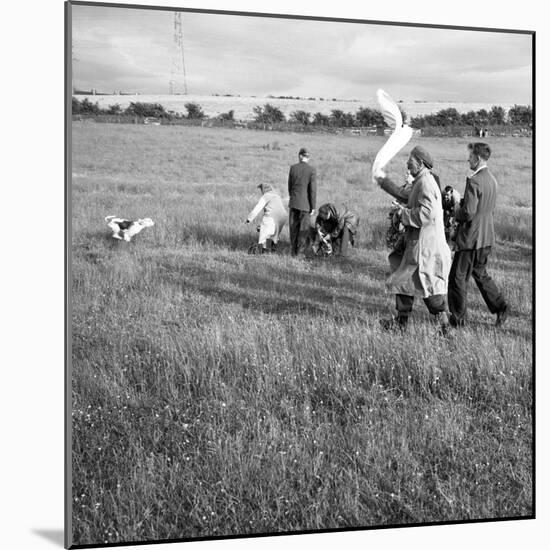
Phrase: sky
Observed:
(133, 50)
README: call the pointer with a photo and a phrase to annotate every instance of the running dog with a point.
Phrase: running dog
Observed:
(125, 229)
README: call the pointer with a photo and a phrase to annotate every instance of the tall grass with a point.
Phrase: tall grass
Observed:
(217, 393)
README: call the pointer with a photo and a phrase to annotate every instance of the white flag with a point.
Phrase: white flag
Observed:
(400, 136)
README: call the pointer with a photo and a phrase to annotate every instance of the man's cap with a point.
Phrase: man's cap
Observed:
(303, 152)
(265, 187)
(422, 154)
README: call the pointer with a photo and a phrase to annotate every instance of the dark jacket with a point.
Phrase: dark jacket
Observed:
(475, 217)
(337, 221)
(302, 187)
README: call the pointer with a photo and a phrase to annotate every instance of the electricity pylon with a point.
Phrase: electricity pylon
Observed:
(178, 79)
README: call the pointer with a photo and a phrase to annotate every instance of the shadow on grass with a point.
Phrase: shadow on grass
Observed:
(234, 240)
(274, 288)
(231, 239)
(96, 246)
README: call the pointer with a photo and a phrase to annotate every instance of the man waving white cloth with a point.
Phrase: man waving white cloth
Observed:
(422, 264)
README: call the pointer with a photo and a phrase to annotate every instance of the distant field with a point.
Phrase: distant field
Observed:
(218, 393)
(243, 106)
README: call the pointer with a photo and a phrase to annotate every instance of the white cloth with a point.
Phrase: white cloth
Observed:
(399, 138)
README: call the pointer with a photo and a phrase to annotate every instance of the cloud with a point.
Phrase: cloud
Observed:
(261, 56)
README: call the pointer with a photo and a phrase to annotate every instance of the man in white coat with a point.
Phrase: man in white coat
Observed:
(422, 265)
(274, 216)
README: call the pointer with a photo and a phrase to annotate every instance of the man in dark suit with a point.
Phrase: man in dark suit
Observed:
(474, 240)
(302, 190)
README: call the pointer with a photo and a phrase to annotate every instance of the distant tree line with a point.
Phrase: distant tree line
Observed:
(136, 109)
(519, 115)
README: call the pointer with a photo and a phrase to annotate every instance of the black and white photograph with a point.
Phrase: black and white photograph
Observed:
(301, 290)
(275, 275)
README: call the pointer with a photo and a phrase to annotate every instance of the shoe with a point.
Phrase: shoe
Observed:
(455, 323)
(395, 323)
(502, 315)
(442, 319)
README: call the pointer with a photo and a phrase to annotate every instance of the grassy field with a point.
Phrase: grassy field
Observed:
(219, 393)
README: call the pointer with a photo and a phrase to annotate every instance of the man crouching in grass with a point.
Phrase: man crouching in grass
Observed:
(422, 264)
(338, 228)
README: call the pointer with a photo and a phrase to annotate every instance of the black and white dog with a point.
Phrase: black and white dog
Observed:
(126, 229)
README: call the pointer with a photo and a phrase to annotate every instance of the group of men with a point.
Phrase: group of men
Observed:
(420, 261)
(334, 229)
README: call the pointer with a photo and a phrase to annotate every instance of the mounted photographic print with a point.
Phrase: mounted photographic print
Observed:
(300, 274)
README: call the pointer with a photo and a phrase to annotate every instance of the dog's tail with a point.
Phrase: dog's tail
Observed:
(109, 218)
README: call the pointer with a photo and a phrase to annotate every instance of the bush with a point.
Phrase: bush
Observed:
(85, 107)
(497, 115)
(115, 109)
(194, 111)
(319, 119)
(229, 116)
(340, 119)
(268, 114)
(521, 115)
(301, 117)
(369, 117)
(146, 110)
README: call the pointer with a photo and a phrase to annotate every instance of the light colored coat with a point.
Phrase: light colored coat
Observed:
(274, 218)
(424, 264)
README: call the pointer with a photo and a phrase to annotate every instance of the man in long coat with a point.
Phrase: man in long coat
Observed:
(302, 190)
(422, 264)
(475, 239)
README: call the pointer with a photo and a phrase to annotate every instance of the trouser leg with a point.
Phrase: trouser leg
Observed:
(303, 232)
(436, 304)
(404, 306)
(343, 242)
(488, 288)
(461, 269)
(294, 229)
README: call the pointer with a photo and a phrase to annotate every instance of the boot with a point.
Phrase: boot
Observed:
(502, 315)
(395, 323)
(442, 320)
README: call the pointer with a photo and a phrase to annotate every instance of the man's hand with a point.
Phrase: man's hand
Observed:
(312, 212)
